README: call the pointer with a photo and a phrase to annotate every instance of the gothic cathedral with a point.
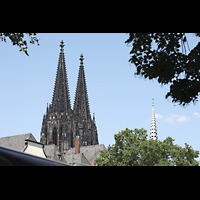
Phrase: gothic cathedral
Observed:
(61, 125)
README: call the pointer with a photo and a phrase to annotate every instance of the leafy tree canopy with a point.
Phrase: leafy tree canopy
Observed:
(132, 148)
(18, 39)
(167, 63)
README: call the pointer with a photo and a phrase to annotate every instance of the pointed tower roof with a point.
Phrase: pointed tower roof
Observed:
(153, 131)
(61, 98)
(81, 103)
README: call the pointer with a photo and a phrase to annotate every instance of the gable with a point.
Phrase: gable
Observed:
(16, 142)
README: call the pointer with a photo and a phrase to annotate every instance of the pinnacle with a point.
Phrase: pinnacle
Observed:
(152, 101)
(62, 45)
(81, 59)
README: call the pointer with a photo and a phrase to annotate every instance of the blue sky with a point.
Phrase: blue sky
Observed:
(118, 98)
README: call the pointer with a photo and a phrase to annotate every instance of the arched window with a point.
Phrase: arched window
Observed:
(55, 136)
(60, 137)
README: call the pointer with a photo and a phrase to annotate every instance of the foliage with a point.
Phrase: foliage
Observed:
(132, 148)
(18, 39)
(167, 63)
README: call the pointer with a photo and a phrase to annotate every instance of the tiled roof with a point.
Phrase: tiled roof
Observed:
(16, 142)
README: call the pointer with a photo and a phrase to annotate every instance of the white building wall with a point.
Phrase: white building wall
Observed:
(35, 149)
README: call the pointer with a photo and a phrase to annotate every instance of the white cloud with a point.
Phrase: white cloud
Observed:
(158, 116)
(183, 118)
(177, 118)
(196, 114)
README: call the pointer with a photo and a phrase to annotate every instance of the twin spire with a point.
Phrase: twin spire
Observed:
(81, 103)
(61, 98)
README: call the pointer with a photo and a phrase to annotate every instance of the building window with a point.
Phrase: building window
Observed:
(55, 136)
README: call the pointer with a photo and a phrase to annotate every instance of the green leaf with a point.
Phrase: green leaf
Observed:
(131, 148)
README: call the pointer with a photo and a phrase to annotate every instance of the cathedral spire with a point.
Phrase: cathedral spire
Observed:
(61, 98)
(81, 103)
(153, 131)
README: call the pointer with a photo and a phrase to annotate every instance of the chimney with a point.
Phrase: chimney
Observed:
(50, 142)
(94, 163)
(77, 145)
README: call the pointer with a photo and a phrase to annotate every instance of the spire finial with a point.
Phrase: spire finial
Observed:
(152, 101)
(81, 59)
(62, 45)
